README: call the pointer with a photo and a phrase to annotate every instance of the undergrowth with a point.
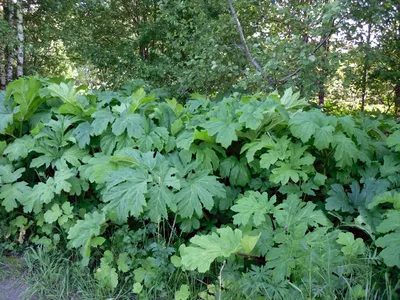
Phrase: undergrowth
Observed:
(248, 197)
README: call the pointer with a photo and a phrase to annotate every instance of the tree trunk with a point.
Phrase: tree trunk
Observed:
(20, 35)
(366, 66)
(324, 73)
(144, 52)
(2, 56)
(397, 99)
(10, 69)
(321, 95)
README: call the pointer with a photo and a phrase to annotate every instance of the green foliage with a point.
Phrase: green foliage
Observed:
(252, 208)
(351, 246)
(197, 192)
(256, 190)
(390, 226)
(394, 140)
(83, 231)
(205, 249)
(25, 95)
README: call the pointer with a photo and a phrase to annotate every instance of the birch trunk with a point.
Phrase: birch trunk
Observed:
(2, 55)
(10, 69)
(20, 36)
(365, 69)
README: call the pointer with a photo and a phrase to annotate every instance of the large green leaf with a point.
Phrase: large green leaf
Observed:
(323, 137)
(387, 197)
(102, 119)
(25, 92)
(292, 100)
(391, 241)
(82, 133)
(83, 231)
(390, 226)
(132, 123)
(222, 123)
(224, 130)
(346, 152)
(59, 159)
(279, 151)
(251, 114)
(293, 214)
(152, 138)
(314, 123)
(124, 192)
(351, 246)
(20, 148)
(391, 166)
(253, 208)
(264, 142)
(393, 140)
(96, 168)
(6, 115)
(206, 155)
(68, 94)
(11, 193)
(9, 175)
(236, 171)
(106, 275)
(303, 126)
(139, 99)
(41, 193)
(161, 196)
(357, 199)
(338, 199)
(198, 191)
(205, 249)
(297, 164)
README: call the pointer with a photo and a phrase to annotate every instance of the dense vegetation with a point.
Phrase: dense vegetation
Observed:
(204, 150)
(247, 197)
(332, 51)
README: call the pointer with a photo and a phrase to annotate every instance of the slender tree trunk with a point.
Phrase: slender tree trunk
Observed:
(321, 95)
(365, 69)
(324, 73)
(20, 35)
(245, 47)
(397, 87)
(2, 55)
(397, 99)
(10, 69)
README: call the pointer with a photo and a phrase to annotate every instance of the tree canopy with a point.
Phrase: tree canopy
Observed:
(330, 50)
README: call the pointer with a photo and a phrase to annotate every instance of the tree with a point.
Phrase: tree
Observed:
(20, 37)
(2, 51)
(10, 69)
(213, 46)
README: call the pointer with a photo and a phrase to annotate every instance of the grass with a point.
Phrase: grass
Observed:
(10, 267)
(51, 275)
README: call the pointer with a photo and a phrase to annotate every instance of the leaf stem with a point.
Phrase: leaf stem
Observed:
(257, 258)
(172, 231)
(220, 280)
(20, 128)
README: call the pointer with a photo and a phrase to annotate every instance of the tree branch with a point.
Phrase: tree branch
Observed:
(130, 12)
(320, 44)
(312, 53)
(245, 47)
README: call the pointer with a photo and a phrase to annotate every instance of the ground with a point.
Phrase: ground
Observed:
(12, 285)
(12, 289)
